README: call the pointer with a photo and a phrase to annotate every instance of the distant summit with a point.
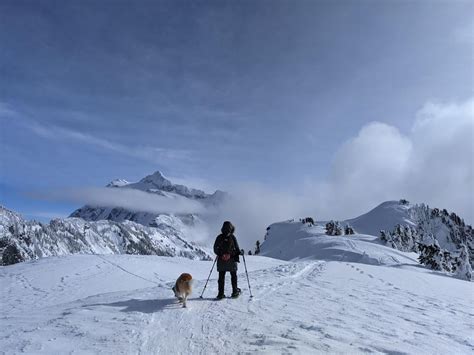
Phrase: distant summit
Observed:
(157, 184)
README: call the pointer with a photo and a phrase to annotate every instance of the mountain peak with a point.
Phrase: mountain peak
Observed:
(157, 179)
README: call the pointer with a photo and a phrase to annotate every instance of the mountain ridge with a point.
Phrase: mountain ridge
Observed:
(22, 240)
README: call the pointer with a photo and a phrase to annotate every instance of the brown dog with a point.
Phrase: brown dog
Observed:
(183, 287)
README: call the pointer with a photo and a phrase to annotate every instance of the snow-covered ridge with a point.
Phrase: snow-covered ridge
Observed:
(450, 241)
(158, 183)
(117, 183)
(447, 228)
(292, 240)
(22, 240)
(404, 226)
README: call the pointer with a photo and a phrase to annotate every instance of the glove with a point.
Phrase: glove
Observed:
(226, 257)
(242, 252)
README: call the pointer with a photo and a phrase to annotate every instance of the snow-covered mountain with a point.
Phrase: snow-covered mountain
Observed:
(384, 217)
(443, 240)
(448, 241)
(447, 228)
(22, 240)
(156, 184)
(112, 230)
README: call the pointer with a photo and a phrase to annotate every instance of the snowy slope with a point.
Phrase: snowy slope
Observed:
(121, 304)
(384, 217)
(448, 229)
(294, 240)
(8, 218)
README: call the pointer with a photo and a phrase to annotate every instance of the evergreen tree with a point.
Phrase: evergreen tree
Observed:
(463, 267)
(333, 228)
(257, 247)
(430, 255)
(348, 230)
(11, 255)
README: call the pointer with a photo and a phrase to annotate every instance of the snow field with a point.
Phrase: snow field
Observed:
(123, 304)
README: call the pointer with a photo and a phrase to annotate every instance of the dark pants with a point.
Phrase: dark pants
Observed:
(221, 283)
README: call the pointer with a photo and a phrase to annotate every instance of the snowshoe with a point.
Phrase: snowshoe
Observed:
(236, 293)
(219, 297)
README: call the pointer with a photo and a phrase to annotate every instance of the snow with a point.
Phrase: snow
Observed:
(295, 240)
(123, 304)
(383, 217)
(157, 182)
(76, 236)
(118, 183)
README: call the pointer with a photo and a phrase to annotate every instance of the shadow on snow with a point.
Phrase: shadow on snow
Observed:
(142, 306)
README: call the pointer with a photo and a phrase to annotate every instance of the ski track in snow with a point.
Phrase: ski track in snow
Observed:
(108, 304)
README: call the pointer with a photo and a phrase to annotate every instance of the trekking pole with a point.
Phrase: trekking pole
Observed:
(208, 277)
(246, 273)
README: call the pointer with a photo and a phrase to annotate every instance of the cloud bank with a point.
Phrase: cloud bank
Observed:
(433, 163)
(131, 199)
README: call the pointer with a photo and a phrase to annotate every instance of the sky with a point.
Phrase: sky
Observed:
(319, 107)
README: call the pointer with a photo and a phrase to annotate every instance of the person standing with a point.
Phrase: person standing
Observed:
(227, 250)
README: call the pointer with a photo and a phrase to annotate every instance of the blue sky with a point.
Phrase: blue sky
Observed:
(217, 93)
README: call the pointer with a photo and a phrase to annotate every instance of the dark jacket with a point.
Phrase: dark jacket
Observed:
(227, 244)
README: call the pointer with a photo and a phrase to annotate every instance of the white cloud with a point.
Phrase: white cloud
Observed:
(131, 199)
(252, 207)
(433, 163)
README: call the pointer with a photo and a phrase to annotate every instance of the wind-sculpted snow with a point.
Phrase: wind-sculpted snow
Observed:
(295, 240)
(123, 304)
(22, 240)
